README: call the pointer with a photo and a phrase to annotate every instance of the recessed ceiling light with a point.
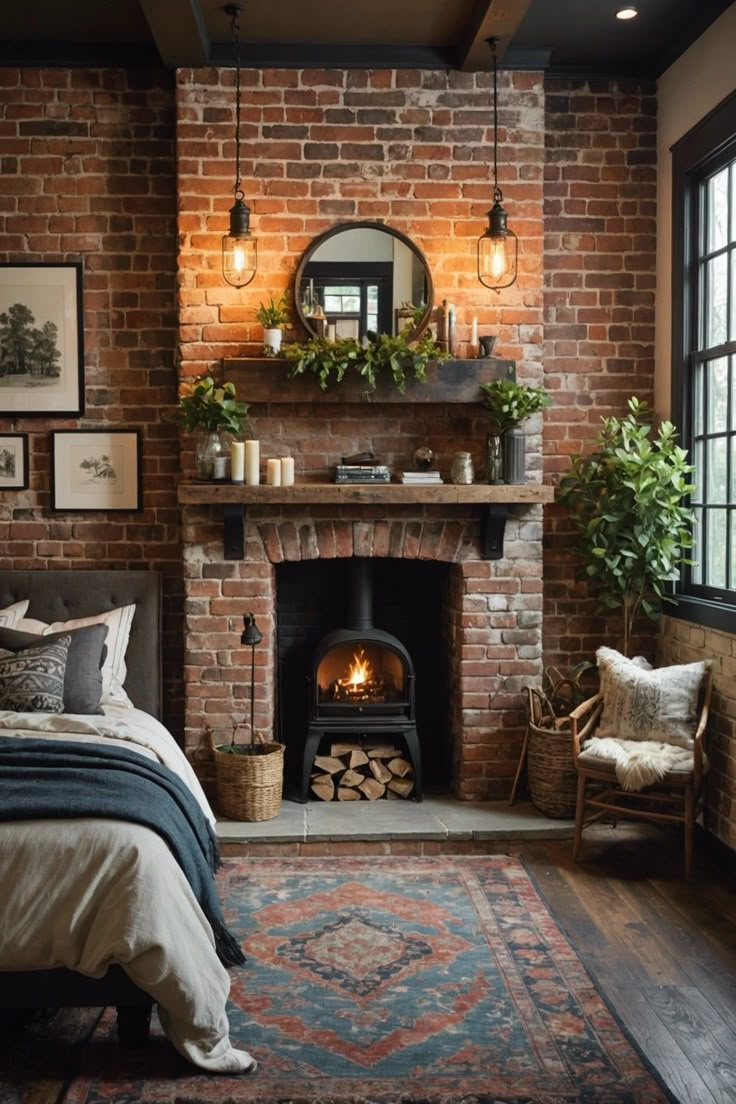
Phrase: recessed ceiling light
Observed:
(627, 13)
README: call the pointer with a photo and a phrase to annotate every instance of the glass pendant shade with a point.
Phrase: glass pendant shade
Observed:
(498, 251)
(239, 247)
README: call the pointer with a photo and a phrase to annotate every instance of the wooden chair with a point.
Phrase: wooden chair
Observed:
(676, 799)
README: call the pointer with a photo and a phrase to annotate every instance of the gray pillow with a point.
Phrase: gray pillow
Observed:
(32, 681)
(83, 677)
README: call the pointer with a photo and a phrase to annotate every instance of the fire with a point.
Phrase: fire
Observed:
(359, 672)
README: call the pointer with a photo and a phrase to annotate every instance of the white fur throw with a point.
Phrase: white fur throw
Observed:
(659, 705)
(637, 763)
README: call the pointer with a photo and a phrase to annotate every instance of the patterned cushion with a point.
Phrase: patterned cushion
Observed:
(83, 677)
(11, 615)
(32, 681)
(659, 704)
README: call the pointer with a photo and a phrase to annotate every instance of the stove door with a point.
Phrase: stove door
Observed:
(361, 677)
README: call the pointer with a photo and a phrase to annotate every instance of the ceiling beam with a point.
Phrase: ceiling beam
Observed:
(178, 29)
(499, 19)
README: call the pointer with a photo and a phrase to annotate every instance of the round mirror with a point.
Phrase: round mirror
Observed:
(360, 279)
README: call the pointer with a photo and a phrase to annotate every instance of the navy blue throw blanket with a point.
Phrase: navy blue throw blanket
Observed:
(48, 779)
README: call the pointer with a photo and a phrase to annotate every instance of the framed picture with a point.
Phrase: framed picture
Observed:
(13, 461)
(41, 339)
(96, 469)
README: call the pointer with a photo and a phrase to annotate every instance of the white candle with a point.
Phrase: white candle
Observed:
(252, 463)
(273, 473)
(474, 332)
(237, 461)
(287, 471)
(331, 332)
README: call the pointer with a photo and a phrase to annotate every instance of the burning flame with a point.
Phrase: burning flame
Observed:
(359, 671)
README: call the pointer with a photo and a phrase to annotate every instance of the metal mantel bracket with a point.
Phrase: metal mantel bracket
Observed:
(492, 526)
(234, 537)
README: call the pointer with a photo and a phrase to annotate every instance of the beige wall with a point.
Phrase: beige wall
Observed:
(687, 91)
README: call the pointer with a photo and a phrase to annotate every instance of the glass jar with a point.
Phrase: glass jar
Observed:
(462, 468)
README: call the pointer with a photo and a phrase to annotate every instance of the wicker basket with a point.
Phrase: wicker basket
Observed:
(249, 786)
(551, 773)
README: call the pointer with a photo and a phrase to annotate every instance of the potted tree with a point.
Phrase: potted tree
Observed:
(509, 404)
(627, 502)
(215, 415)
(273, 316)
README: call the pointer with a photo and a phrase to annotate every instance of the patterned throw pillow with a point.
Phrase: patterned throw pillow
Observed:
(32, 681)
(659, 704)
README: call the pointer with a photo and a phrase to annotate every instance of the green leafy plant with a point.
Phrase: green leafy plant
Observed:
(509, 403)
(627, 502)
(331, 361)
(203, 404)
(274, 314)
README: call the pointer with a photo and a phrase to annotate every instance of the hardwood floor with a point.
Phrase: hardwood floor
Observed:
(662, 951)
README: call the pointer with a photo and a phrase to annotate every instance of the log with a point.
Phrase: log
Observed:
(358, 758)
(346, 794)
(380, 771)
(328, 764)
(400, 767)
(351, 778)
(382, 751)
(401, 786)
(324, 788)
(372, 788)
(341, 749)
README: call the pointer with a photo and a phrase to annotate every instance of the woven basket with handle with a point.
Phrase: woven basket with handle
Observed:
(551, 771)
(249, 786)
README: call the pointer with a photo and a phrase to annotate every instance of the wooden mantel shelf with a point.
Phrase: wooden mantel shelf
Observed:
(494, 502)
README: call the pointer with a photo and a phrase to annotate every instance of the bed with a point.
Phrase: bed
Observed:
(124, 926)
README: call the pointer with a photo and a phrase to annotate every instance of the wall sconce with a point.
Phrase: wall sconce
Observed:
(251, 636)
(498, 247)
(239, 250)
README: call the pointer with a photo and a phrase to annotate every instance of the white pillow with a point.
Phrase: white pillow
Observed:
(658, 704)
(114, 671)
(11, 615)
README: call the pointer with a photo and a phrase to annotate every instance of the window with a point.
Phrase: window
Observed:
(704, 356)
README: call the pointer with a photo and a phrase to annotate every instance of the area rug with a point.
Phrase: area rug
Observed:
(396, 981)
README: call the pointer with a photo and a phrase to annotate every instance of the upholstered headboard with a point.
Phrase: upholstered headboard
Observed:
(57, 595)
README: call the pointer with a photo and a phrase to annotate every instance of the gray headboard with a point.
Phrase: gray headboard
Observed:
(57, 595)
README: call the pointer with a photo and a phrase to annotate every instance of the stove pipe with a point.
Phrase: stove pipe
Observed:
(359, 598)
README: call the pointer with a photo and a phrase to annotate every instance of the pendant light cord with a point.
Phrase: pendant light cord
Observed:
(235, 12)
(497, 194)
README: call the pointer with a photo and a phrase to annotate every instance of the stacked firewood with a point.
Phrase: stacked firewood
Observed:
(362, 772)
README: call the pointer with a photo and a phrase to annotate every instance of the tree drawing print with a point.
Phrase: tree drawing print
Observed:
(7, 463)
(98, 467)
(25, 349)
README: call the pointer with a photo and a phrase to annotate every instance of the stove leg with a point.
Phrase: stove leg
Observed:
(412, 743)
(314, 736)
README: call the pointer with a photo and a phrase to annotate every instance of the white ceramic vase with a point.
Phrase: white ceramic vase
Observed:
(272, 341)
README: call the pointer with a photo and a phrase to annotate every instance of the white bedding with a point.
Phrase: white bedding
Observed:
(122, 899)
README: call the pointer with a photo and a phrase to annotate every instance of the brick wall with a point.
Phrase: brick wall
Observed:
(87, 173)
(599, 288)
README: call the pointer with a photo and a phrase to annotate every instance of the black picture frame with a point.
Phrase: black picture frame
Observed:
(96, 470)
(41, 339)
(14, 473)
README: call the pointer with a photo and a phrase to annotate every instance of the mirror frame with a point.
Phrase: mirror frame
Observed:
(423, 322)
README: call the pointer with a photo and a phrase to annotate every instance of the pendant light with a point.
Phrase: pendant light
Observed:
(498, 247)
(239, 251)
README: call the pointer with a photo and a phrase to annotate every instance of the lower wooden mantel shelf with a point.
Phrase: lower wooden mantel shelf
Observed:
(494, 502)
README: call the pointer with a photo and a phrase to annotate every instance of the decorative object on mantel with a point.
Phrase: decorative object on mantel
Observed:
(509, 404)
(239, 248)
(273, 316)
(362, 467)
(462, 471)
(487, 341)
(422, 458)
(498, 247)
(627, 503)
(331, 361)
(214, 413)
(249, 777)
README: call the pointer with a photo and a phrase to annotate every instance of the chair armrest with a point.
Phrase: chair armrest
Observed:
(699, 736)
(583, 720)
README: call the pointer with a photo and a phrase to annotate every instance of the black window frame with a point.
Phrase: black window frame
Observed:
(697, 155)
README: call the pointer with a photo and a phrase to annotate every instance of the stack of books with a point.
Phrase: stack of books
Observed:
(362, 467)
(420, 477)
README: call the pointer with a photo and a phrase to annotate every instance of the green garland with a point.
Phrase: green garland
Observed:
(330, 361)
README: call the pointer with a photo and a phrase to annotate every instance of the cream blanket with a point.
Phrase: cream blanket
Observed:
(122, 898)
(638, 763)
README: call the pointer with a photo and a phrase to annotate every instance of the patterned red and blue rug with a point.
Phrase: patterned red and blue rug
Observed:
(393, 980)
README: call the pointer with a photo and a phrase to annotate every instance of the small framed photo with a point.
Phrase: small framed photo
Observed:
(96, 469)
(41, 340)
(13, 461)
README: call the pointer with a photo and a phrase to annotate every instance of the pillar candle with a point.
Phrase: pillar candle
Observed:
(474, 332)
(331, 331)
(237, 461)
(273, 472)
(252, 463)
(287, 471)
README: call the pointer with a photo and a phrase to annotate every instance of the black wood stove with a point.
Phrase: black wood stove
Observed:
(361, 683)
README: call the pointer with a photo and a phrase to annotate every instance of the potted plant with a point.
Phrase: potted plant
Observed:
(627, 502)
(213, 412)
(273, 316)
(393, 354)
(509, 404)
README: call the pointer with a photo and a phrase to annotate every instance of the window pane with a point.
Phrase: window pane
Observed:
(717, 211)
(733, 469)
(698, 385)
(697, 475)
(717, 473)
(732, 323)
(732, 566)
(715, 571)
(718, 395)
(716, 301)
(696, 552)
